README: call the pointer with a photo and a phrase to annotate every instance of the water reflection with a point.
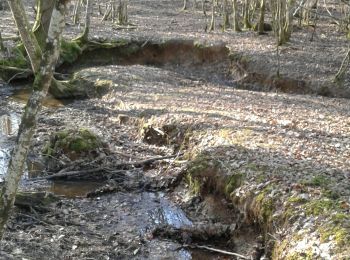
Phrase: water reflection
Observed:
(9, 123)
(22, 95)
(6, 125)
(8, 129)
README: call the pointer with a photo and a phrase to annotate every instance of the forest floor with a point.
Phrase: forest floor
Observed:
(292, 152)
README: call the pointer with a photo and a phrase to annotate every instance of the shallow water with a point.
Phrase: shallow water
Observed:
(73, 189)
(8, 129)
(9, 123)
(22, 95)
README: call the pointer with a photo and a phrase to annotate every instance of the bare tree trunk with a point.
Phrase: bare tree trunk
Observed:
(76, 12)
(28, 38)
(246, 15)
(42, 20)
(185, 5)
(236, 27)
(123, 12)
(84, 36)
(262, 17)
(28, 123)
(2, 46)
(282, 19)
(226, 16)
(343, 68)
(203, 8)
(212, 22)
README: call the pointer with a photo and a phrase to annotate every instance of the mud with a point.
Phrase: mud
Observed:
(115, 225)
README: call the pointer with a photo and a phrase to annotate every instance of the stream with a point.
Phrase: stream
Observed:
(138, 212)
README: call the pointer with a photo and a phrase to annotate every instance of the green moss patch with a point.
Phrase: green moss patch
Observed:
(207, 175)
(14, 64)
(70, 51)
(72, 142)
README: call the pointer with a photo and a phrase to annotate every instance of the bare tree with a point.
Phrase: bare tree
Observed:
(85, 34)
(27, 36)
(28, 123)
(44, 10)
(235, 23)
(261, 17)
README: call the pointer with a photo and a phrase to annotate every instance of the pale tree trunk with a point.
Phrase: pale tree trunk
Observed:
(246, 15)
(282, 19)
(42, 20)
(212, 22)
(28, 123)
(76, 11)
(235, 23)
(84, 36)
(203, 7)
(261, 17)
(226, 17)
(123, 12)
(27, 36)
(184, 5)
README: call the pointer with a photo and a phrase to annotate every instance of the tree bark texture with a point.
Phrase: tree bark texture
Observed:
(28, 123)
(42, 20)
(88, 14)
(28, 38)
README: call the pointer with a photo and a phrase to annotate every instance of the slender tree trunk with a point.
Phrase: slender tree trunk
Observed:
(226, 17)
(262, 17)
(28, 123)
(235, 23)
(212, 22)
(28, 38)
(185, 5)
(42, 20)
(2, 46)
(343, 68)
(84, 36)
(246, 15)
(76, 12)
(203, 8)
(122, 12)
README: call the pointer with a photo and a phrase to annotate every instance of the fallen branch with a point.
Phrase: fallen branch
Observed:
(105, 172)
(217, 251)
(145, 162)
(11, 38)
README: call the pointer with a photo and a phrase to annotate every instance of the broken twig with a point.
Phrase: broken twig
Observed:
(217, 250)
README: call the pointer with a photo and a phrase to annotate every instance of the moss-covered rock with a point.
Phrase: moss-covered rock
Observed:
(207, 175)
(81, 85)
(77, 141)
(72, 144)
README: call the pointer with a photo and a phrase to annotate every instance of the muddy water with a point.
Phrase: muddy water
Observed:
(72, 189)
(22, 95)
